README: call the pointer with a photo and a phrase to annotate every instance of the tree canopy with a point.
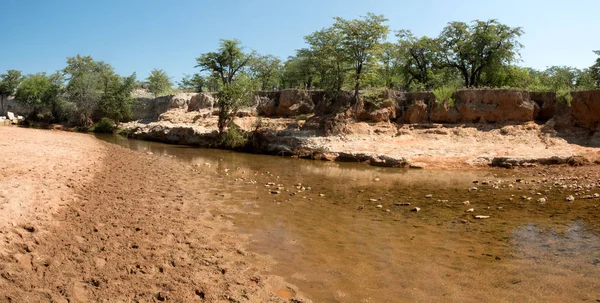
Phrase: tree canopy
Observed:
(8, 85)
(158, 82)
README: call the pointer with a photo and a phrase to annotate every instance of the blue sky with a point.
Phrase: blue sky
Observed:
(139, 35)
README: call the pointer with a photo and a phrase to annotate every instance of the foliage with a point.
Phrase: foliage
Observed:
(233, 137)
(595, 70)
(158, 82)
(195, 82)
(8, 85)
(38, 92)
(361, 41)
(87, 79)
(104, 126)
(476, 49)
(419, 58)
(229, 62)
(116, 102)
(302, 117)
(443, 95)
(226, 62)
(266, 69)
(564, 96)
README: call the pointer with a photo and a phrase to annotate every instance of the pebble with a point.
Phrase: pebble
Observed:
(373, 200)
(570, 198)
(321, 195)
(416, 209)
(275, 192)
(473, 188)
(379, 206)
(402, 204)
(470, 210)
(482, 217)
(466, 203)
(429, 196)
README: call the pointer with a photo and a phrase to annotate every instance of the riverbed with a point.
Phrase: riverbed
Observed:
(345, 232)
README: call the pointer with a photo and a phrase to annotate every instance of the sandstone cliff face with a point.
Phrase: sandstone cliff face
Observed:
(471, 106)
(495, 106)
(585, 108)
(293, 102)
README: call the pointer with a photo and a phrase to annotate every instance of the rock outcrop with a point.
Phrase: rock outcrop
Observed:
(495, 106)
(416, 113)
(585, 108)
(201, 101)
(293, 102)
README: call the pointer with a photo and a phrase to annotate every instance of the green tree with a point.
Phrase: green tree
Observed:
(595, 70)
(329, 62)
(419, 58)
(87, 81)
(195, 82)
(229, 63)
(477, 48)
(300, 70)
(390, 69)
(38, 92)
(361, 42)
(158, 82)
(8, 84)
(266, 69)
(117, 102)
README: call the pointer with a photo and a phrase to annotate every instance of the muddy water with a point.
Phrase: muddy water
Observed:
(344, 232)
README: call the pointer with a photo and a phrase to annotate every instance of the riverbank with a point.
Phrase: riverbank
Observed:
(388, 144)
(83, 220)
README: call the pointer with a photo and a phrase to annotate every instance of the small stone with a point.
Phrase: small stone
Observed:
(402, 204)
(379, 206)
(376, 179)
(482, 217)
(570, 198)
(416, 209)
(275, 192)
(429, 196)
(321, 195)
(473, 188)
(466, 203)
(470, 210)
(542, 200)
(373, 200)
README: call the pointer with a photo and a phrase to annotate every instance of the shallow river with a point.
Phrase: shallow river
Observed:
(345, 232)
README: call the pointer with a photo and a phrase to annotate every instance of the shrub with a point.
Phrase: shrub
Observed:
(105, 126)
(302, 117)
(443, 95)
(564, 96)
(233, 137)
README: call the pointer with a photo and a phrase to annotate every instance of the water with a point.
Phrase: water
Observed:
(348, 239)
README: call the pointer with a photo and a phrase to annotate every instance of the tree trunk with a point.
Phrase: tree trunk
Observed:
(1, 105)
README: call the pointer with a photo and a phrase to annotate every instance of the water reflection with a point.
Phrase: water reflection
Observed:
(338, 245)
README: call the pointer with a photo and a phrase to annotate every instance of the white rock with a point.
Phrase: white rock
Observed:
(482, 217)
(429, 196)
(570, 198)
(470, 210)
(416, 209)
(10, 115)
(542, 200)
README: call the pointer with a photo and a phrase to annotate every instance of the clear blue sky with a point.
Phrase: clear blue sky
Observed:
(139, 35)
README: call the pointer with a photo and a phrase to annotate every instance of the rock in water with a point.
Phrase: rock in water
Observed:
(570, 198)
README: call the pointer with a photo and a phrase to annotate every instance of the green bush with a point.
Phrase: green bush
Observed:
(564, 96)
(105, 126)
(443, 95)
(302, 117)
(233, 137)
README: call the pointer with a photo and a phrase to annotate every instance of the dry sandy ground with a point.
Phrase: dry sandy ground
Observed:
(85, 221)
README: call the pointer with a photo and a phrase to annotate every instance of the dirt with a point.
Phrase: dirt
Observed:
(82, 220)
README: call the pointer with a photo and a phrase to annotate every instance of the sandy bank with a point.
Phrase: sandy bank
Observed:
(84, 220)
